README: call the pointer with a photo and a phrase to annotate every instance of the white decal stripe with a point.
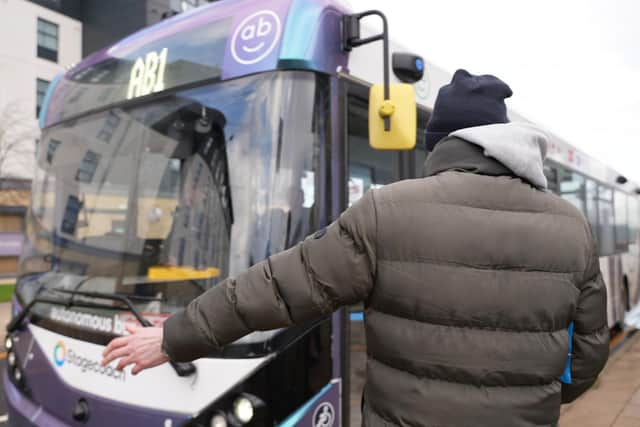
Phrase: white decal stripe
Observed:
(159, 388)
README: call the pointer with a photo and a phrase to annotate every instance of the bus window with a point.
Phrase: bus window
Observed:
(622, 230)
(634, 218)
(368, 168)
(606, 221)
(572, 189)
(420, 152)
(551, 173)
(592, 206)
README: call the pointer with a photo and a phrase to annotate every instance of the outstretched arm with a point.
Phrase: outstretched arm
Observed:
(331, 268)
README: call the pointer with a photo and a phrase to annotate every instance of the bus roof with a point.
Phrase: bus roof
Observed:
(220, 41)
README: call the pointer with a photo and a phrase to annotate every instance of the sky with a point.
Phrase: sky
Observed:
(574, 66)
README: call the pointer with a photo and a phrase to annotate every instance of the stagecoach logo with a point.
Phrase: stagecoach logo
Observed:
(256, 37)
(324, 415)
(63, 355)
(59, 353)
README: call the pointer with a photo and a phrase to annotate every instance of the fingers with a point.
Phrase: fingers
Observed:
(139, 367)
(116, 343)
(132, 328)
(125, 361)
(108, 357)
(150, 361)
(142, 349)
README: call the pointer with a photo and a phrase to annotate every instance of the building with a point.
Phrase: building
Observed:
(37, 44)
(106, 21)
(40, 39)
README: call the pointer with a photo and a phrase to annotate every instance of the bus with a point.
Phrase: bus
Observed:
(610, 202)
(187, 152)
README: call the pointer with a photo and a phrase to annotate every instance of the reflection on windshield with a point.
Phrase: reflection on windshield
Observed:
(185, 190)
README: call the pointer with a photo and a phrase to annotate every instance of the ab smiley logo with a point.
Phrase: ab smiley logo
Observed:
(255, 37)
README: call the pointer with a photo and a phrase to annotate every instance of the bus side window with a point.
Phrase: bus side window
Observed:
(592, 206)
(368, 168)
(634, 218)
(551, 172)
(572, 189)
(621, 225)
(606, 221)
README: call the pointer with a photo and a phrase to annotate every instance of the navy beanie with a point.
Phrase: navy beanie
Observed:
(465, 102)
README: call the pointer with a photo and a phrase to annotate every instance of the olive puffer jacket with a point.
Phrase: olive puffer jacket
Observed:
(470, 278)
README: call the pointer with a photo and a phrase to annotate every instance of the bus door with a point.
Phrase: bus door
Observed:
(368, 169)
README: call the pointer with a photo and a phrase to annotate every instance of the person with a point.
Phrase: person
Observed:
(475, 280)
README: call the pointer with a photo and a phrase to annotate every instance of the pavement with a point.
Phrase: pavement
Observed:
(614, 400)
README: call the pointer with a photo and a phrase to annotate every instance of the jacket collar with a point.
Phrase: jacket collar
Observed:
(511, 149)
(455, 154)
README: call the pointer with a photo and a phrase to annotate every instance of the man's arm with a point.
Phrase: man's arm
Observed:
(331, 268)
(591, 333)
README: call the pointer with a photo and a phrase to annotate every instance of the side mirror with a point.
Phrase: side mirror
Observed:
(401, 111)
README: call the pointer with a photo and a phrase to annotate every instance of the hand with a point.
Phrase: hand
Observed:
(143, 349)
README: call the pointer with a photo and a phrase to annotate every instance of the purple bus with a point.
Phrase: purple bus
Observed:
(177, 157)
(191, 150)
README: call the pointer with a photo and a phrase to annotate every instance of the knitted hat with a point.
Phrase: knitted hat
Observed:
(466, 102)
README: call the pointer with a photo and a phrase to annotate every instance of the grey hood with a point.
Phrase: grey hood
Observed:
(521, 147)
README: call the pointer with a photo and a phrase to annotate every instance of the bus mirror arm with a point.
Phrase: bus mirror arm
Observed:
(351, 38)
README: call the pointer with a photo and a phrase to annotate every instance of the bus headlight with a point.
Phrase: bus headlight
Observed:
(218, 420)
(11, 359)
(17, 375)
(243, 409)
(8, 343)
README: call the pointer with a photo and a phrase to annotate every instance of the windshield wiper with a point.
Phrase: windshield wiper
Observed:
(181, 368)
(81, 283)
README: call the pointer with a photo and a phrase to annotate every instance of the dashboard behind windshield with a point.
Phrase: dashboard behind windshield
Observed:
(166, 199)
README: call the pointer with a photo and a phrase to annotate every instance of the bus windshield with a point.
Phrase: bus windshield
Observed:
(167, 198)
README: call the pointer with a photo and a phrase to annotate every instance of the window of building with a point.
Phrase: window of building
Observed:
(51, 149)
(41, 91)
(47, 40)
(88, 167)
(70, 216)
